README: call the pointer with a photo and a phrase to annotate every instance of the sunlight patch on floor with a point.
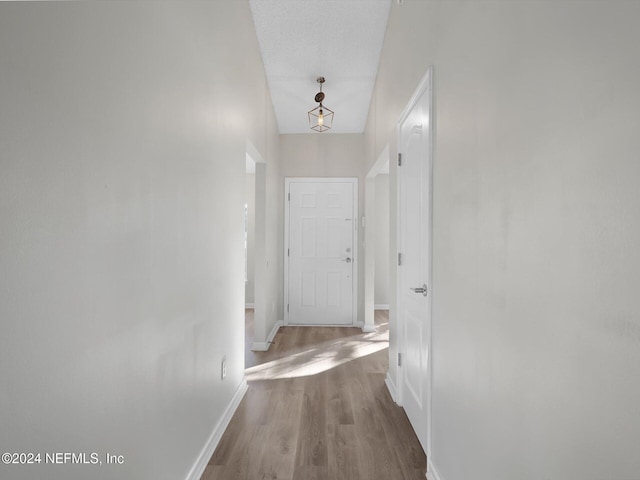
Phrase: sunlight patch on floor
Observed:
(319, 358)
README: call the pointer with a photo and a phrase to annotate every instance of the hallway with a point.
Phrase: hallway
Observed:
(125, 133)
(317, 408)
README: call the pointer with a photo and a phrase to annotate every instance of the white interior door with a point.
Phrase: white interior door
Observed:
(414, 272)
(322, 222)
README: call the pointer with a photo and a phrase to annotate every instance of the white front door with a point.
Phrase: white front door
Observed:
(414, 244)
(321, 222)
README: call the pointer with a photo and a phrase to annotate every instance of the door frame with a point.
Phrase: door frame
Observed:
(260, 296)
(425, 85)
(354, 278)
(382, 163)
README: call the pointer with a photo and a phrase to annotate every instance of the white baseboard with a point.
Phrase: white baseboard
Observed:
(249, 305)
(329, 325)
(391, 387)
(205, 454)
(264, 346)
(381, 306)
(432, 473)
(367, 328)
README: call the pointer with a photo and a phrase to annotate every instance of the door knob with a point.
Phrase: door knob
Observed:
(422, 289)
(348, 260)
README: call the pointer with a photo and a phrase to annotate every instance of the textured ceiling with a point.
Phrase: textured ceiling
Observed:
(338, 39)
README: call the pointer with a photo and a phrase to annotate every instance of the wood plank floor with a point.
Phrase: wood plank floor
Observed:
(317, 408)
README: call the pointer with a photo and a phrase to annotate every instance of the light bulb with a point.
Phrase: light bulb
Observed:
(320, 119)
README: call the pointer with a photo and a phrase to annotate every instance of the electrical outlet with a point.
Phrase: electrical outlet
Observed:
(223, 368)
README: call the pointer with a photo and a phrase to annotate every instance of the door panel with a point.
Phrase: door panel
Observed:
(414, 242)
(308, 289)
(320, 288)
(308, 237)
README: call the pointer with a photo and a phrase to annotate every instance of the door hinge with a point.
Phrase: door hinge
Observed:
(399, 159)
(287, 308)
(287, 252)
(399, 359)
(289, 197)
(399, 259)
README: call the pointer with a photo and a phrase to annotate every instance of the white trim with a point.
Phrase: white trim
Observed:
(249, 305)
(355, 254)
(432, 473)
(264, 346)
(328, 325)
(381, 306)
(253, 152)
(366, 328)
(400, 342)
(381, 162)
(214, 439)
(423, 86)
(369, 234)
(391, 387)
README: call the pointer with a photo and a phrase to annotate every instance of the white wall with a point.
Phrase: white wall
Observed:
(328, 155)
(536, 341)
(122, 166)
(381, 281)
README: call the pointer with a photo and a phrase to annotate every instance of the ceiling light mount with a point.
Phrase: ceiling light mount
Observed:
(320, 95)
(320, 117)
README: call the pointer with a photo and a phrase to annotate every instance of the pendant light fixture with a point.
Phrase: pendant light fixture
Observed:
(321, 117)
